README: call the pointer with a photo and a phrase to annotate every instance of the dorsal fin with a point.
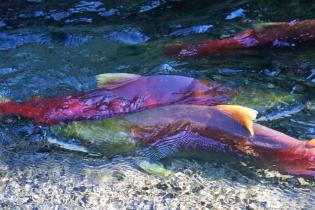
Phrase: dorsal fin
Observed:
(311, 143)
(114, 80)
(258, 27)
(243, 115)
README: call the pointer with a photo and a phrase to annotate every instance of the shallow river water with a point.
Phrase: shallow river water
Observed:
(50, 48)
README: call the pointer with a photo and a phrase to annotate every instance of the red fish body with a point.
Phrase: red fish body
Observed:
(268, 34)
(187, 130)
(115, 98)
(291, 155)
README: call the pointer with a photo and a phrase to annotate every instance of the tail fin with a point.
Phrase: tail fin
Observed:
(245, 116)
(114, 80)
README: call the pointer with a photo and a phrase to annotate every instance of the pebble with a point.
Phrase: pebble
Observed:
(193, 185)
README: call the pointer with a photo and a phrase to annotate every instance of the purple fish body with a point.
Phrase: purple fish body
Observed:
(121, 97)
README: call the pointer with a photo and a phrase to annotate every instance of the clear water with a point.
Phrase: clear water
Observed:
(51, 48)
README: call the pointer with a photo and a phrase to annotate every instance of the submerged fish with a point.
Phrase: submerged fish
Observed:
(118, 94)
(264, 34)
(167, 131)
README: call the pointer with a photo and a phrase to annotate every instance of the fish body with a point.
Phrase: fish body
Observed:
(166, 131)
(118, 94)
(264, 34)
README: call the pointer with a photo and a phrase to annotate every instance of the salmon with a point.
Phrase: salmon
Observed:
(264, 34)
(164, 132)
(118, 94)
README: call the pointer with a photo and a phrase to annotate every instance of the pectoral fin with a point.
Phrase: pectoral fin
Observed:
(114, 80)
(245, 116)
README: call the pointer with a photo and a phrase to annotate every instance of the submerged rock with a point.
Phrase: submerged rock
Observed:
(59, 15)
(152, 5)
(86, 6)
(2, 24)
(235, 14)
(191, 30)
(130, 36)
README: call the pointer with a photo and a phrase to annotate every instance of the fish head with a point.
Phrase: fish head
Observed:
(284, 152)
(301, 160)
(107, 137)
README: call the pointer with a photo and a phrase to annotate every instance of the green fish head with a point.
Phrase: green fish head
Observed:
(108, 136)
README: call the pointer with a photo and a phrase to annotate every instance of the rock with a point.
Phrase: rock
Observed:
(191, 30)
(235, 14)
(131, 36)
(2, 24)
